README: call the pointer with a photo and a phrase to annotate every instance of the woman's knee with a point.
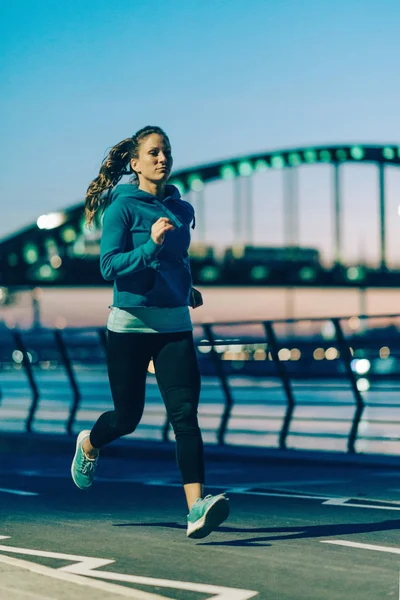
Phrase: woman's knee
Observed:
(126, 424)
(184, 417)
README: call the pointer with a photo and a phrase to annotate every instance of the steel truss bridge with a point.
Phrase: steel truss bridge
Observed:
(58, 249)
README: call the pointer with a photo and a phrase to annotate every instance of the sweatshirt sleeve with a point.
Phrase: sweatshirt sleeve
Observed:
(114, 262)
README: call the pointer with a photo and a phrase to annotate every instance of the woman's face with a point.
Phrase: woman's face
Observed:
(154, 162)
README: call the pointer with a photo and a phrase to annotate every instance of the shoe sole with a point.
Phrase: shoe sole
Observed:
(79, 440)
(215, 515)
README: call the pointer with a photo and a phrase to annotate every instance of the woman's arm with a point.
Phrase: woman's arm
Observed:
(114, 262)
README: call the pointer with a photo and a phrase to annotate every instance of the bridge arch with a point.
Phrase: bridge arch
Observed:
(55, 249)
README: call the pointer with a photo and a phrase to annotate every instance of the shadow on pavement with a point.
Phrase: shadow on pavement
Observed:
(288, 533)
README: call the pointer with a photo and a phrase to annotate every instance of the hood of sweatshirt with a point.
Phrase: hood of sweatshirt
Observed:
(172, 194)
(131, 190)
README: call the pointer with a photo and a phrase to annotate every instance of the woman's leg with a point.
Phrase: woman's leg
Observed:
(178, 377)
(128, 356)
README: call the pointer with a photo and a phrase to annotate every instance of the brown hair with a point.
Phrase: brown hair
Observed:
(114, 166)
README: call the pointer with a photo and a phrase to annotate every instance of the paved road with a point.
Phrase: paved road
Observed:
(296, 532)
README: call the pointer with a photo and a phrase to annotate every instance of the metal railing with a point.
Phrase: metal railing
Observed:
(291, 375)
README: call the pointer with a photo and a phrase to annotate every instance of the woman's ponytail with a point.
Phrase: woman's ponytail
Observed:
(113, 167)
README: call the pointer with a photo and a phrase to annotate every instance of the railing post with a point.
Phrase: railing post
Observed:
(282, 371)
(71, 376)
(347, 358)
(224, 381)
(29, 372)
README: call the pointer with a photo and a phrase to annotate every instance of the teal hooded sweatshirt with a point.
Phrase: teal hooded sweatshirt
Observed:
(144, 273)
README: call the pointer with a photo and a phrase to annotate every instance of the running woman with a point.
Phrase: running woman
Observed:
(144, 251)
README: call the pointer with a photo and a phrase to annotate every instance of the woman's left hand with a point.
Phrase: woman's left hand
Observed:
(196, 298)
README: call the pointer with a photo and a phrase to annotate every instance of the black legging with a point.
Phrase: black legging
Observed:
(178, 377)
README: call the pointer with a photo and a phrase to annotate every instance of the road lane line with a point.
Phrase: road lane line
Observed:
(88, 565)
(79, 580)
(390, 550)
(18, 492)
(218, 592)
(345, 502)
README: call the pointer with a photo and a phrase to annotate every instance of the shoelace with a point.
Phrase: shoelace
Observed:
(88, 466)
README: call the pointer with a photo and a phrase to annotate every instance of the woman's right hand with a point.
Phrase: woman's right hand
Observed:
(159, 228)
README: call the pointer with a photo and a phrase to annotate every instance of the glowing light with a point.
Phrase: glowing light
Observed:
(319, 354)
(196, 183)
(277, 161)
(354, 323)
(209, 273)
(384, 352)
(150, 367)
(259, 354)
(363, 384)
(294, 159)
(295, 354)
(79, 246)
(51, 220)
(325, 156)
(259, 272)
(45, 272)
(56, 262)
(361, 366)
(228, 172)
(307, 273)
(31, 253)
(355, 273)
(388, 153)
(245, 168)
(205, 349)
(341, 154)
(68, 234)
(284, 354)
(357, 152)
(261, 165)
(328, 330)
(310, 156)
(17, 356)
(331, 354)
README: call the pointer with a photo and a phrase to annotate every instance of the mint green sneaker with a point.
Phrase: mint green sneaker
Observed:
(206, 514)
(83, 468)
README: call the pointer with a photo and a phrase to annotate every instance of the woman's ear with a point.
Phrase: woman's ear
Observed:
(134, 164)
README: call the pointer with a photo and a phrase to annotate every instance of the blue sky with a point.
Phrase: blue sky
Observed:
(222, 77)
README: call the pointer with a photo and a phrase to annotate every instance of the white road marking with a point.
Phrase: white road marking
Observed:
(388, 549)
(70, 578)
(301, 482)
(85, 565)
(345, 502)
(18, 492)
